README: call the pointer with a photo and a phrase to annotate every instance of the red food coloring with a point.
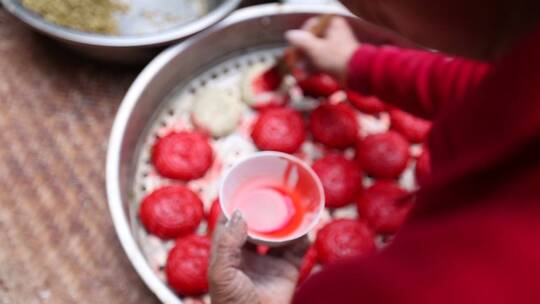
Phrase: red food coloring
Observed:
(268, 81)
(341, 179)
(182, 155)
(367, 104)
(269, 208)
(213, 216)
(415, 129)
(423, 167)
(171, 211)
(265, 88)
(384, 206)
(187, 265)
(299, 73)
(335, 125)
(279, 129)
(319, 85)
(262, 249)
(383, 155)
(308, 263)
(266, 208)
(344, 238)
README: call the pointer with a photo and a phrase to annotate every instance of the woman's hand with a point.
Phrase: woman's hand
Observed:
(239, 275)
(331, 53)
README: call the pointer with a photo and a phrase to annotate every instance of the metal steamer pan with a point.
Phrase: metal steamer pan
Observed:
(248, 29)
(122, 48)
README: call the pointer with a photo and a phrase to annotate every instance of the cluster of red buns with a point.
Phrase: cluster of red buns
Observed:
(175, 212)
(384, 205)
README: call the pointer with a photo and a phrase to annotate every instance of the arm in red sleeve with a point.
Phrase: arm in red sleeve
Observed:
(420, 82)
(472, 237)
(454, 260)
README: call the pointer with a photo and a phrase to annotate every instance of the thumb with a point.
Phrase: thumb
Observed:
(228, 284)
(229, 238)
(304, 40)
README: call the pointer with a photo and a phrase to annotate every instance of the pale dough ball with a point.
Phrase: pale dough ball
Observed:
(216, 112)
(248, 96)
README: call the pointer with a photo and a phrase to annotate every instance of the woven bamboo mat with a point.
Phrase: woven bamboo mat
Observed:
(57, 243)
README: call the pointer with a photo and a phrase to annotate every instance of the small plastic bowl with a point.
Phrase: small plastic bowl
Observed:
(277, 166)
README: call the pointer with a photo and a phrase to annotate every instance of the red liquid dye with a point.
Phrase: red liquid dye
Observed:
(269, 208)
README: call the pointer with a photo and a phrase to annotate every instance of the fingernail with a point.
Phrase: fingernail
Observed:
(235, 218)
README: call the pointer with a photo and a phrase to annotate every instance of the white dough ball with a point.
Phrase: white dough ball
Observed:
(216, 112)
(248, 95)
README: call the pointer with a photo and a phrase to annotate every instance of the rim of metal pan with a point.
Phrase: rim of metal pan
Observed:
(126, 111)
(93, 39)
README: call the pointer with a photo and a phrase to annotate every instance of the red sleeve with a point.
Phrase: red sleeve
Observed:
(420, 82)
(473, 234)
(482, 256)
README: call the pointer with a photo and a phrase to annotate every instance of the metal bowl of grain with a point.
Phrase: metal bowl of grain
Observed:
(120, 30)
(160, 99)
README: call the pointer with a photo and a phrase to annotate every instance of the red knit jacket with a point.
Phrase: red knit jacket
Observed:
(474, 235)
